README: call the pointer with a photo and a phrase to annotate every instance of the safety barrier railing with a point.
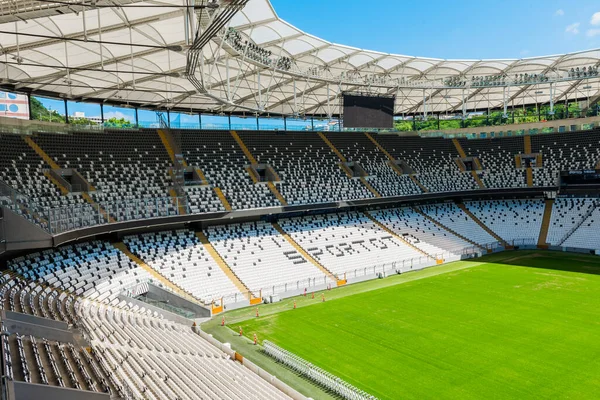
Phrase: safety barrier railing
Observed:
(73, 217)
(315, 374)
(23, 205)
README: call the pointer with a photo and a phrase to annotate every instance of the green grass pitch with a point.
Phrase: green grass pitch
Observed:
(514, 325)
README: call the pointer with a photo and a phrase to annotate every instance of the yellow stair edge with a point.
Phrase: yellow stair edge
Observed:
(223, 199)
(139, 262)
(518, 162)
(40, 152)
(303, 252)
(460, 165)
(250, 172)
(221, 263)
(56, 183)
(379, 146)
(529, 172)
(527, 144)
(419, 184)
(346, 170)
(478, 179)
(165, 141)
(332, 147)
(181, 207)
(201, 175)
(459, 148)
(102, 211)
(242, 145)
(452, 231)
(548, 206)
(394, 234)
(275, 174)
(275, 192)
(478, 163)
(370, 187)
(482, 225)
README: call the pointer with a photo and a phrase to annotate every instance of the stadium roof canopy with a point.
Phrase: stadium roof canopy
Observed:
(137, 53)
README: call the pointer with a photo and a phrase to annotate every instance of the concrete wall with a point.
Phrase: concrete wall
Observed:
(20, 234)
(36, 326)
(33, 391)
(159, 294)
(167, 314)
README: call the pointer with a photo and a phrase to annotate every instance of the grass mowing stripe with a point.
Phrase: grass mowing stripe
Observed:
(515, 325)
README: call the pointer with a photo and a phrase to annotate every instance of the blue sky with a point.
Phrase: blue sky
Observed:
(464, 29)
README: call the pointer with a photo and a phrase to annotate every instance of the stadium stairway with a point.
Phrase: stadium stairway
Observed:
(177, 203)
(223, 199)
(380, 147)
(343, 160)
(160, 278)
(201, 175)
(574, 229)
(452, 231)
(529, 173)
(40, 152)
(419, 184)
(169, 143)
(252, 174)
(225, 268)
(529, 170)
(56, 183)
(244, 148)
(276, 193)
(370, 187)
(549, 204)
(273, 188)
(483, 226)
(332, 147)
(305, 254)
(345, 168)
(462, 154)
(101, 210)
(400, 238)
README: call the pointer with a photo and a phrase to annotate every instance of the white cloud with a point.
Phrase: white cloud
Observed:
(595, 19)
(559, 13)
(593, 32)
(573, 28)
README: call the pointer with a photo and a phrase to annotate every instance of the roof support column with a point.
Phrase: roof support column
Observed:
(260, 103)
(295, 102)
(504, 101)
(424, 106)
(328, 103)
(464, 105)
(551, 98)
(228, 79)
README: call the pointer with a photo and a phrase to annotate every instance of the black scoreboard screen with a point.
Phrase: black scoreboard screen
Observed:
(363, 111)
(580, 177)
